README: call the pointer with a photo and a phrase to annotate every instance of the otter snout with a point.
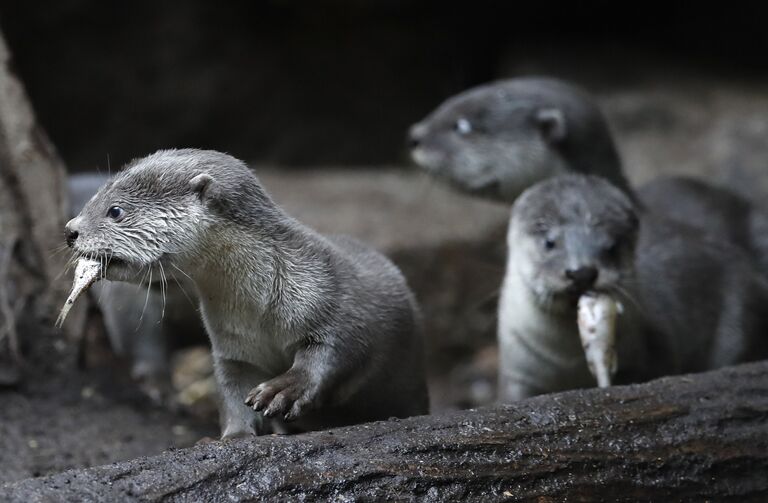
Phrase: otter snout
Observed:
(72, 231)
(582, 278)
(415, 135)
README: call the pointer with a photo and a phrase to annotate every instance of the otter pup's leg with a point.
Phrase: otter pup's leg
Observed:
(234, 379)
(315, 370)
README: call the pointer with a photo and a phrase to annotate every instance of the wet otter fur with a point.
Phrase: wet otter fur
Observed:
(690, 304)
(314, 330)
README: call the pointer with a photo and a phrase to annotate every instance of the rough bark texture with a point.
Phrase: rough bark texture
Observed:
(690, 438)
(32, 212)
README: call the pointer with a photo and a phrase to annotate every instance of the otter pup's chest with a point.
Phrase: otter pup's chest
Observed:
(246, 334)
(539, 349)
(547, 348)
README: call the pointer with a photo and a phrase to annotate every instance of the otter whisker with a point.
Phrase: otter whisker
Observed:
(193, 303)
(57, 251)
(144, 275)
(163, 288)
(102, 290)
(182, 272)
(624, 294)
(66, 268)
(109, 261)
(146, 300)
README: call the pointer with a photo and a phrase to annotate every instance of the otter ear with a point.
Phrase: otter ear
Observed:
(201, 185)
(551, 123)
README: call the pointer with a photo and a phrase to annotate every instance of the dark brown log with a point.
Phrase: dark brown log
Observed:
(32, 214)
(690, 438)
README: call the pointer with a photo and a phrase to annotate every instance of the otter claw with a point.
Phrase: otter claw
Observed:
(283, 396)
(259, 397)
(277, 406)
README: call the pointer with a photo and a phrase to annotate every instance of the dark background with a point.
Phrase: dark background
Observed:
(332, 82)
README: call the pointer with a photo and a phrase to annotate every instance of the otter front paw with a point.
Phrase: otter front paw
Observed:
(287, 395)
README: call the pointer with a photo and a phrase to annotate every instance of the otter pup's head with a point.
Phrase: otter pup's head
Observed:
(496, 140)
(159, 209)
(572, 234)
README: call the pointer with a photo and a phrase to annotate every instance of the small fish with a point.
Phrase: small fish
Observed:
(597, 329)
(87, 272)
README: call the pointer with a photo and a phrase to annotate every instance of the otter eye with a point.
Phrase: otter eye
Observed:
(462, 126)
(116, 213)
(549, 244)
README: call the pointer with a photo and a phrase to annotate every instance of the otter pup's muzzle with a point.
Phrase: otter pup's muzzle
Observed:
(72, 231)
(582, 278)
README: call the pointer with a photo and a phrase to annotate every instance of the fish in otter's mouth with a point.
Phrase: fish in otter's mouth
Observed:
(597, 329)
(87, 272)
(91, 268)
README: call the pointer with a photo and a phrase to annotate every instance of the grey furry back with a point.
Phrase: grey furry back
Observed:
(706, 299)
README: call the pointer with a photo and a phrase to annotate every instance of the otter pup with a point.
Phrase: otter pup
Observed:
(321, 331)
(498, 139)
(689, 304)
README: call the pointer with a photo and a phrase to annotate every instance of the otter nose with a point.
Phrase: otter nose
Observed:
(71, 232)
(415, 134)
(582, 277)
